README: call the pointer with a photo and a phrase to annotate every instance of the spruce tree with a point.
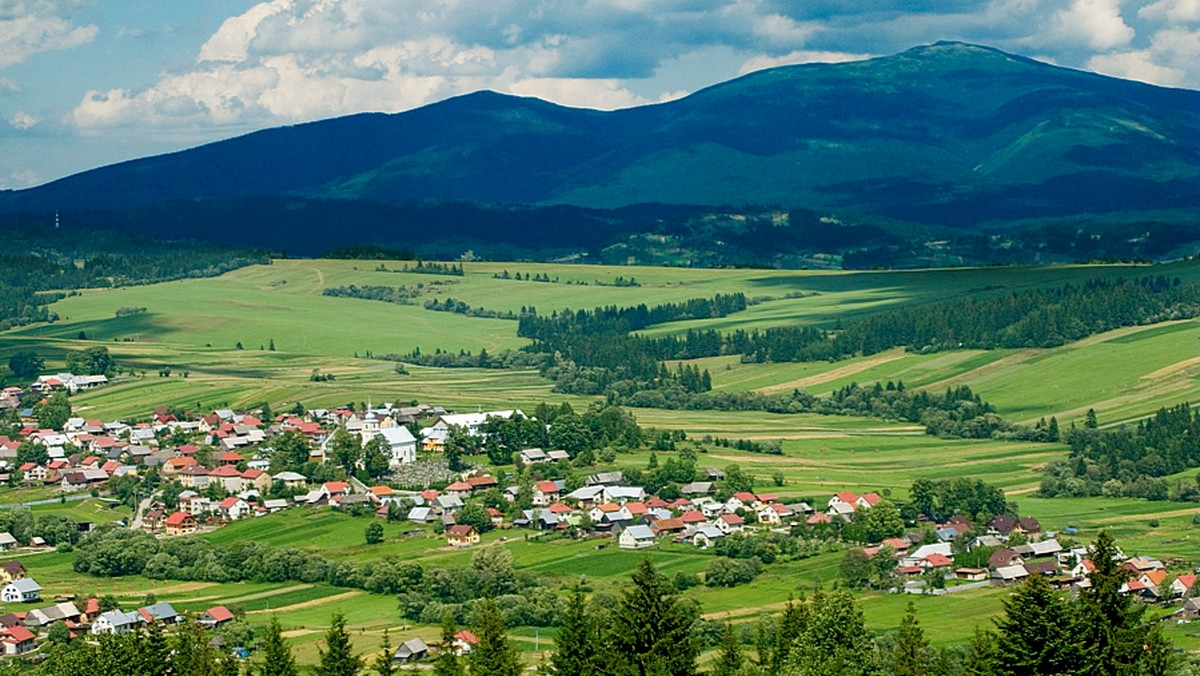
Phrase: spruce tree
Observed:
(277, 656)
(577, 646)
(730, 660)
(1035, 632)
(153, 652)
(834, 639)
(910, 654)
(791, 625)
(980, 659)
(494, 655)
(338, 658)
(446, 663)
(651, 633)
(1109, 623)
(383, 664)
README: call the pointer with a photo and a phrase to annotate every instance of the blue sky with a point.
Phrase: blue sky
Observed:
(85, 83)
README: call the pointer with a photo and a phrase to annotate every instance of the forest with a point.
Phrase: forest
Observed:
(1130, 460)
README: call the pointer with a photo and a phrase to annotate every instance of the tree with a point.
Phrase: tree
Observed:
(290, 450)
(1035, 633)
(345, 450)
(833, 638)
(377, 457)
(855, 569)
(53, 414)
(93, 361)
(277, 656)
(1110, 623)
(980, 659)
(374, 533)
(493, 655)
(474, 514)
(26, 365)
(58, 634)
(446, 663)
(494, 573)
(881, 521)
(338, 658)
(730, 660)
(651, 633)
(577, 646)
(458, 443)
(909, 654)
(383, 663)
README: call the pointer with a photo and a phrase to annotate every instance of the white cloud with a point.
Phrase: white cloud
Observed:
(798, 57)
(23, 178)
(22, 120)
(9, 86)
(1169, 60)
(1135, 65)
(1174, 11)
(31, 26)
(1097, 23)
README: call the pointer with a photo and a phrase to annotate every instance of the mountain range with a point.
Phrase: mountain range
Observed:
(949, 135)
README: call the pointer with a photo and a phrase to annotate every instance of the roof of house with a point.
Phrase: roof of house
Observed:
(177, 519)
(219, 614)
(25, 584)
(467, 637)
(460, 531)
(640, 532)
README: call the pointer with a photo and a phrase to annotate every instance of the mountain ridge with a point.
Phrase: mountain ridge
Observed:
(948, 134)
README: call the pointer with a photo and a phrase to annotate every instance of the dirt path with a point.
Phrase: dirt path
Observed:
(320, 281)
(270, 592)
(835, 374)
(308, 604)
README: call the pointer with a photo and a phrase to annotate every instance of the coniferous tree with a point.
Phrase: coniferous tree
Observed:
(730, 661)
(1109, 622)
(494, 655)
(910, 654)
(651, 634)
(1035, 634)
(383, 664)
(446, 663)
(834, 639)
(980, 659)
(791, 625)
(338, 658)
(277, 656)
(577, 645)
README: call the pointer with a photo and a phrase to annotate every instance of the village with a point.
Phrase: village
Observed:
(197, 473)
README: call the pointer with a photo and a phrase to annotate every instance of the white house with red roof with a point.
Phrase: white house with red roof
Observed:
(546, 492)
(1182, 585)
(234, 508)
(730, 523)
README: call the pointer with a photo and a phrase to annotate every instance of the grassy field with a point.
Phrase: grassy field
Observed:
(193, 326)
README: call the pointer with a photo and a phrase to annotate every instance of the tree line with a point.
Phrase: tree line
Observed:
(1130, 460)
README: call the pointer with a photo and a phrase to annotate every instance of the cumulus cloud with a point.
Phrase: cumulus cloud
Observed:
(22, 120)
(31, 26)
(294, 60)
(798, 57)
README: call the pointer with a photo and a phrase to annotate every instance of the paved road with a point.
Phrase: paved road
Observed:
(143, 506)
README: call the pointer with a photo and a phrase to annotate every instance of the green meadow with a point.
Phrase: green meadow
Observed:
(193, 327)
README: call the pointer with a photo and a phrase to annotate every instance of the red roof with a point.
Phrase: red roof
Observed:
(429, 494)
(460, 531)
(335, 487)
(560, 508)
(693, 516)
(187, 449)
(745, 496)
(767, 497)
(232, 457)
(93, 606)
(178, 518)
(19, 634)
(548, 487)
(657, 503)
(872, 498)
(459, 487)
(467, 637)
(252, 474)
(733, 519)
(1187, 580)
(847, 496)
(251, 420)
(228, 502)
(938, 560)
(27, 466)
(225, 471)
(219, 614)
(637, 508)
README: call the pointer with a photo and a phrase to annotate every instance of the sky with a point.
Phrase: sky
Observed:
(85, 83)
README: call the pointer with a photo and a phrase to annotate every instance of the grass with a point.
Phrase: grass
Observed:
(192, 327)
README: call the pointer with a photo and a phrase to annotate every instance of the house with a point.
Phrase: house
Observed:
(730, 523)
(462, 536)
(706, 536)
(1182, 585)
(1005, 557)
(256, 478)
(1029, 526)
(1002, 524)
(698, 488)
(665, 527)
(411, 650)
(195, 477)
(472, 422)
(116, 622)
(532, 456)
(234, 508)
(604, 479)
(971, 574)
(464, 642)
(292, 480)
(23, 590)
(420, 515)
(228, 476)
(558, 456)
(1190, 609)
(12, 570)
(16, 640)
(1009, 574)
(160, 612)
(546, 492)
(215, 617)
(7, 541)
(636, 537)
(59, 612)
(402, 445)
(180, 523)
